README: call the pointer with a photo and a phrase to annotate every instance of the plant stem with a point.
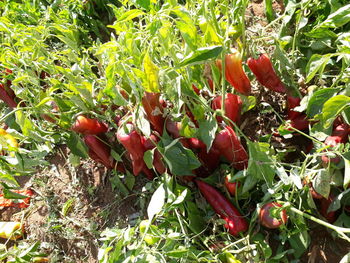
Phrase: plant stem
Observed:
(340, 230)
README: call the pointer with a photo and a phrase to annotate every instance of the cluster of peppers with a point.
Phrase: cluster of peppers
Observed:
(226, 144)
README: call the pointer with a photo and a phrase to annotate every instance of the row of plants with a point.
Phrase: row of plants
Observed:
(157, 88)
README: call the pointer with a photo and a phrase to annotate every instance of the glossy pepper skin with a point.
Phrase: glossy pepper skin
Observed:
(233, 107)
(133, 142)
(235, 222)
(99, 151)
(154, 110)
(234, 73)
(339, 135)
(228, 144)
(293, 102)
(265, 74)
(89, 126)
(266, 218)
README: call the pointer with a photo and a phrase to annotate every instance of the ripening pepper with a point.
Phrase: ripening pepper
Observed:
(228, 144)
(99, 151)
(89, 126)
(19, 203)
(339, 135)
(265, 74)
(154, 110)
(235, 222)
(233, 107)
(134, 145)
(234, 73)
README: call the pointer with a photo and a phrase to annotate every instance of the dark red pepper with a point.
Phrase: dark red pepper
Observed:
(233, 107)
(265, 74)
(293, 102)
(133, 142)
(154, 110)
(235, 222)
(195, 89)
(209, 160)
(300, 123)
(331, 217)
(86, 125)
(150, 144)
(228, 144)
(339, 135)
(99, 151)
(6, 97)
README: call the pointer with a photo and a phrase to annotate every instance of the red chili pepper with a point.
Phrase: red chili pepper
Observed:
(89, 126)
(174, 129)
(6, 97)
(195, 143)
(265, 74)
(19, 203)
(154, 110)
(195, 89)
(150, 144)
(235, 222)
(267, 220)
(331, 217)
(233, 107)
(211, 84)
(339, 135)
(133, 143)
(234, 73)
(99, 151)
(209, 160)
(232, 187)
(300, 123)
(293, 102)
(228, 144)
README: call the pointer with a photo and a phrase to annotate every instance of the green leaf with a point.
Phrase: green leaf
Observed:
(151, 74)
(148, 158)
(260, 240)
(76, 145)
(345, 259)
(316, 64)
(12, 195)
(336, 203)
(67, 206)
(196, 220)
(129, 15)
(207, 130)
(157, 202)
(346, 172)
(338, 18)
(188, 32)
(180, 160)
(270, 15)
(333, 107)
(260, 165)
(300, 242)
(317, 100)
(321, 183)
(201, 55)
